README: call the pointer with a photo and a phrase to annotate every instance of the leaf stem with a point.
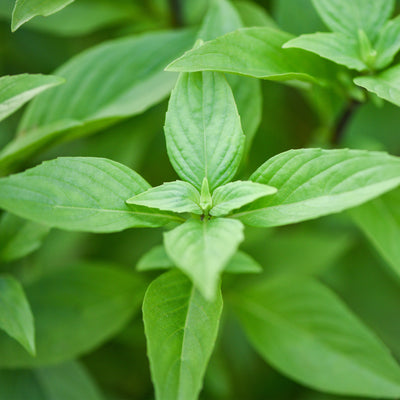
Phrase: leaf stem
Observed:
(343, 121)
(176, 13)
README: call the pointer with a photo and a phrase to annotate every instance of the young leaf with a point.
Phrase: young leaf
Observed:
(337, 47)
(385, 85)
(79, 193)
(314, 182)
(304, 330)
(221, 18)
(76, 309)
(349, 17)
(252, 14)
(255, 52)
(25, 10)
(178, 196)
(16, 90)
(202, 129)
(201, 249)
(157, 258)
(388, 43)
(181, 328)
(62, 382)
(18, 237)
(16, 318)
(234, 195)
(380, 221)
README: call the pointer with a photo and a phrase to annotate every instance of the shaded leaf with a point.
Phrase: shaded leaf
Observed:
(388, 43)
(328, 337)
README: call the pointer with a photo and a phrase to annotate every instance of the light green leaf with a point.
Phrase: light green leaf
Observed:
(223, 18)
(279, 313)
(181, 329)
(16, 90)
(157, 258)
(25, 10)
(18, 237)
(79, 193)
(388, 43)
(314, 182)
(234, 195)
(337, 47)
(178, 196)
(201, 249)
(252, 14)
(380, 221)
(255, 52)
(16, 318)
(202, 129)
(349, 17)
(66, 381)
(108, 93)
(76, 309)
(385, 85)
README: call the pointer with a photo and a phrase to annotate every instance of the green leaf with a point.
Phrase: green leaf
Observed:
(388, 43)
(16, 318)
(79, 193)
(25, 10)
(130, 89)
(67, 381)
(234, 195)
(16, 90)
(178, 196)
(76, 309)
(279, 313)
(18, 237)
(252, 14)
(181, 329)
(337, 47)
(202, 129)
(380, 221)
(385, 85)
(201, 249)
(157, 258)
(223, 18)
(255, 52)
(349, 17)
(314, 182)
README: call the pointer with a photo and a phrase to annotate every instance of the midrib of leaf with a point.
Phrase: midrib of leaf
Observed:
(185, 328)
(259, 311)
(204, 137)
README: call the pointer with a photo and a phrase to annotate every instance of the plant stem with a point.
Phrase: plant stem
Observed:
(343, 121)
(176, 13)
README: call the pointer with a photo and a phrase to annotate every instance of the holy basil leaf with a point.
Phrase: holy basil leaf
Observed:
(314, 182)
(234, 195)
(337, 47)
(16, 90)
(25, 10)
(178, 196)
(157, 258)
(201, 249)
(75, 309)
(181, 329)
(385, 85)
(388, 43)
(349, 17)
(255, 52)
(19, 238)
(304, 330)
(223, 18)
(66, 381)
(202, 129)
(79, 193)
(16, 318)
(380, 221)
(252, 14)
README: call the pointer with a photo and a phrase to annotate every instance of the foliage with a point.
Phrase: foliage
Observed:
(251, 134)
